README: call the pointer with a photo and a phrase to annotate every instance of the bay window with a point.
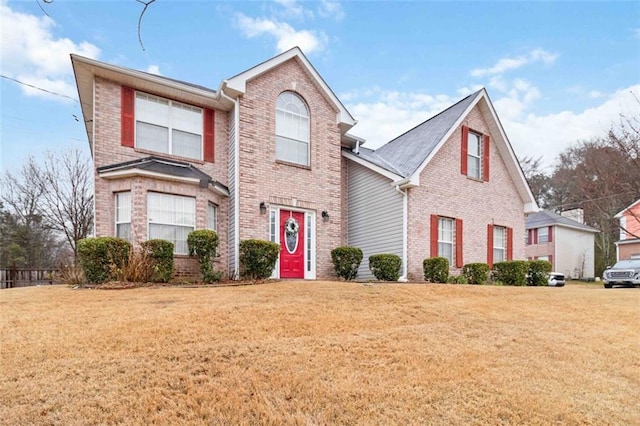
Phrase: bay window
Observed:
(171, 218)
(123, 215)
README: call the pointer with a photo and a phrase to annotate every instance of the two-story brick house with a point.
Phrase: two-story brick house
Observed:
(628, 246)
(267, 155)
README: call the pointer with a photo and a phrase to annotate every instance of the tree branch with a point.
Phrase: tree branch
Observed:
(146, 5)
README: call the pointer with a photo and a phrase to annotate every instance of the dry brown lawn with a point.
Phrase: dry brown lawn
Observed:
(320, 353)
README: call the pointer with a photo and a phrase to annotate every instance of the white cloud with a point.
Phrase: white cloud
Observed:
(331, 9)
(293, 9)
(154, 69)
(30, 52)
(383, 115)
(508, 64)
(286, 36)
(550, 134)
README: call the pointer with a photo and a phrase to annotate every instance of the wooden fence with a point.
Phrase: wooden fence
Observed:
(10, 278)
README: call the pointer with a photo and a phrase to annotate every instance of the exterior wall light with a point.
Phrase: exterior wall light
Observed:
(325, 216)
(263, 208)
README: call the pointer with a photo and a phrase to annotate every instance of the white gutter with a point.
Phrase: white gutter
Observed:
(236, 187)
(403, 277)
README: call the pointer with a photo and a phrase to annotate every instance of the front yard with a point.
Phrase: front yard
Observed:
(320, 353)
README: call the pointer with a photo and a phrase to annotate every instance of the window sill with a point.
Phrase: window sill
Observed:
(169, 156)
(475, 179)
(299, 166)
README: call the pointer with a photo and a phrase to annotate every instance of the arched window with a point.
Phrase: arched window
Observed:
(292, 129)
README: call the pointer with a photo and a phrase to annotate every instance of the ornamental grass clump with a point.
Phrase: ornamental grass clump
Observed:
(346, 261)
(203, 245)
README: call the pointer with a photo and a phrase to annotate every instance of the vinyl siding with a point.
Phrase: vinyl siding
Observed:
(374, 216)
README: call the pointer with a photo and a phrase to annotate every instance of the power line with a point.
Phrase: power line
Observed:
(39, 88)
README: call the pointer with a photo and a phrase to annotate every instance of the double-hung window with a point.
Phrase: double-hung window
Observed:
(292, 129)
(168, 127)
(446, 238)
(474, 155)
(123, 215)
(543, 235)
(212, 217)
(171, 218)
(499, 244)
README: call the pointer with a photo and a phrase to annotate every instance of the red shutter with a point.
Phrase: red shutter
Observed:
(434, 235)
(551, 262)
(127, 111)
(535, 236)
(464, 150)
(550, 233)
(509, 243)
(208, 138)
(485, 159)
(459, 260)
(529, 236)
(490, 245)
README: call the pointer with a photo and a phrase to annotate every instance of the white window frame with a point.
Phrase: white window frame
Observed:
(443, 240)
(212, 212)
(171, 124)
(122, 206)
(300, 121)
(309, 240)
(151, 221)
(471, 156)
(543, 237)
(499, 243)
(623, 226)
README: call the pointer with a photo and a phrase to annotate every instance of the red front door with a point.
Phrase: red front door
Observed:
(291, 244)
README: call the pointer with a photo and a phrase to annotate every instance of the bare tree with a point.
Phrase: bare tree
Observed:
(539, 182)
(66, 198)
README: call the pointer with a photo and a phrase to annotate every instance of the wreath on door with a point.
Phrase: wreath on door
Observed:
(291, 226)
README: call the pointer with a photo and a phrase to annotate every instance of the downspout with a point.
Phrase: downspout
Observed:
(403, 277)
(236, 187)
(93, 154)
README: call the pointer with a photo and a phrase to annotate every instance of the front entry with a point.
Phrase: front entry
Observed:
(291, 244)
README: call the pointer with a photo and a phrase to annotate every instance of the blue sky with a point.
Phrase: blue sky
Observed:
(555, 71)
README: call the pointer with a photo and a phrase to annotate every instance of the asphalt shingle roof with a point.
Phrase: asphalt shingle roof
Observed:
(549, 218)
(404, 154)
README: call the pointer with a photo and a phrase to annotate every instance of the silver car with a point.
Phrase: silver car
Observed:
(624, 272)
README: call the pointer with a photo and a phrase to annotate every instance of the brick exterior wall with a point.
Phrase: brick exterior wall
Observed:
(625, 251)
(108, 150)
(262, 178)
(444, 191)
(533, 251)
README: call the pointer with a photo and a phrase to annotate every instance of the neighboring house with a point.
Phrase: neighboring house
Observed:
(563, 240)
(450, 187)
(629, 245)
(267, 155)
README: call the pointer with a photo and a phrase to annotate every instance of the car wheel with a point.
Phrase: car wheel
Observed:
(607, 285)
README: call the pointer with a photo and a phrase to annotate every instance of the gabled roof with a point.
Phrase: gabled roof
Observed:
(159, 167)
(236, 85)
(408, 151)
(621, 212)
(408, 154)
(548, 218)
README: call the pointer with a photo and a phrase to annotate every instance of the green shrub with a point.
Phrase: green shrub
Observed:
(161, 252)
(436, 269)
(258, 258)
(457, 279)
(346, 261)
(203, 245)
(102, 257)
(512, 272)
(386, 266)
(476, 273)
(538, 272)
